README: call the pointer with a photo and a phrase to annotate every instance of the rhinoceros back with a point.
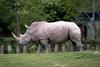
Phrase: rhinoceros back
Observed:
(55, 32)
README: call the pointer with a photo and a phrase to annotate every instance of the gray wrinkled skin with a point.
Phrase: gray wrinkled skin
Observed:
(44, 34)
(24, 39)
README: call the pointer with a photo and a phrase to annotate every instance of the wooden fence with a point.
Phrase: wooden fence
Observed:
(9, 47)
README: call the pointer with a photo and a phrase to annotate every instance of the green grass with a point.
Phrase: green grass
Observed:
(65, 59)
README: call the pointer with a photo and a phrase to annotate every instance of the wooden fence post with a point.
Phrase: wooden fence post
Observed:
(17, 49)
(24, 49)
(1, 48)
(56, 47)
(9, 48)
(63, 48)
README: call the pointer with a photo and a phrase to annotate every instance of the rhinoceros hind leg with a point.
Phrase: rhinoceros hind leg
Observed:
(77, 45)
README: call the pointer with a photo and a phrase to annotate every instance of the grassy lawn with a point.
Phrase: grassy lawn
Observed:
(65, 59)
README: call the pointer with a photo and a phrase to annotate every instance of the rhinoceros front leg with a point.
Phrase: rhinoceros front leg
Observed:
(46, 45)
(39, 48)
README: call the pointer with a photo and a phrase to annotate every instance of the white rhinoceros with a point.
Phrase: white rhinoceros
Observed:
(44, 34)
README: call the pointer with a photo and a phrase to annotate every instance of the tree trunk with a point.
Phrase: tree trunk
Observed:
(18, 23)
(17, 30)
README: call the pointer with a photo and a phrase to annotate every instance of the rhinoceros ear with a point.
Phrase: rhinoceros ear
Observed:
(17, 38)
(26, 26)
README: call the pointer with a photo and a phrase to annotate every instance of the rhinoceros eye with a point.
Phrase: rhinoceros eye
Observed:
(23, 37)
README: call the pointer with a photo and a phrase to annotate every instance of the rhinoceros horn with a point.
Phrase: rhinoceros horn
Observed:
(26, 26)
(17, 38)
(21, 35)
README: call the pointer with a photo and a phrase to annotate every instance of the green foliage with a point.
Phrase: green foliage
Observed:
(54, 12)
(13, 44)
(69, 59)
(5, 40)
(1, 41)
(40, 10)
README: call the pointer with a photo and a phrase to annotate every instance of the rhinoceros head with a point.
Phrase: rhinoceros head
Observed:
(23, 38)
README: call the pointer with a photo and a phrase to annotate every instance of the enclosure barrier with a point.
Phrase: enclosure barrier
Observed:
(9, 45)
